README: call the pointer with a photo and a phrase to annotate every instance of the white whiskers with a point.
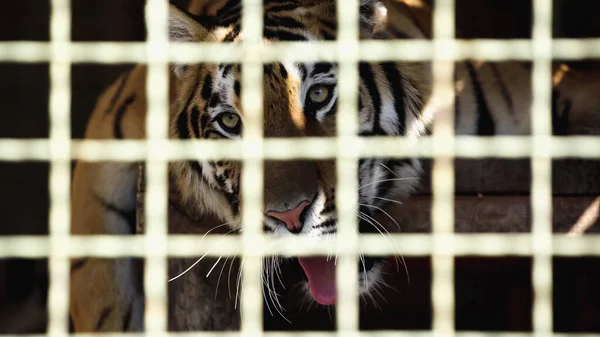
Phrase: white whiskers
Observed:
(200, 259)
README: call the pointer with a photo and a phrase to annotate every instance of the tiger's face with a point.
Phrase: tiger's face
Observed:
(300, 100)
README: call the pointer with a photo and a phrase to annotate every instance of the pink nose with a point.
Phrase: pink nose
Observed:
(291, 217)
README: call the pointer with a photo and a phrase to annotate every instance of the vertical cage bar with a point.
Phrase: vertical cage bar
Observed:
(157, 88)
(541, 166)
(60, 168)
(443, 171)
(347, 168)
(252, 173)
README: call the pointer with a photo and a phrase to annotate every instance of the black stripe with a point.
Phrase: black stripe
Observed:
(226, 69)
(207, 87)
(456, 102)
(560, 119)
(331, 25)
(182, 120)
(283, 72)
(229, 20)
(78, 264)
(485, 123)
(366, 74)
(329, 207)
(195, 116)
(128, 215)
(503, 88)
(396, 82)
(220, 179)
(456, 111)
(231, 198)
(328, 36)
(117, 94)
(231, 7)
(268, 70)
(197, 168)
(303, 71)
(280, 2)
(182, 126)
(118, 128)
(283, 22)
(103, 316)
(321, 68)
(233, 34)
(326, 223)
(204, 121)
(214, 101)
(333, 110)
(235, 207)
(127, 319)
(282, 7)
(237, 87)
(273, 34)
(331, 231)
(360, 104)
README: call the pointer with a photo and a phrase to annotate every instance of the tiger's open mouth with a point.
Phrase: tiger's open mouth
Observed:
(321, 274)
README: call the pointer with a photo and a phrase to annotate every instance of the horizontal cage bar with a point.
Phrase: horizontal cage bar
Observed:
(309, 148)
(406, 244)
(407, 50)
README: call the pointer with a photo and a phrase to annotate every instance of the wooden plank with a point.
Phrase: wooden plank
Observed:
(512, 176)
(473, 214)
(493, 214)
(476, 214)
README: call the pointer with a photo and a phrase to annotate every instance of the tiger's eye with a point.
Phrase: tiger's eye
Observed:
(230, 120)
(319, 94)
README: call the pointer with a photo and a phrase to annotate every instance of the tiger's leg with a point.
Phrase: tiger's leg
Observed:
(106, 294)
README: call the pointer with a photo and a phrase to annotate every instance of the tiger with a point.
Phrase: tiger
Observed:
(300, 100)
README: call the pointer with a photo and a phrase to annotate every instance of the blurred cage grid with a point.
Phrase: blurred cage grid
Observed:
(59, 149)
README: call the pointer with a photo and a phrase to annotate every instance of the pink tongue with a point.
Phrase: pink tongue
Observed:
(321, 278)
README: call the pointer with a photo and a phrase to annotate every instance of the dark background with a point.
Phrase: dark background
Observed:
(489, 290)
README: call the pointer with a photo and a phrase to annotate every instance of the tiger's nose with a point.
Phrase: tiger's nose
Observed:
(291, 217)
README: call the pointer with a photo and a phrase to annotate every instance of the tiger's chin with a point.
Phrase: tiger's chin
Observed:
(320, 277)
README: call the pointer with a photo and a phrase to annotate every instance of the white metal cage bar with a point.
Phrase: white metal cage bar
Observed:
(443, 245)
(541, 169)
(252, 174)
(157, 88)
(381, 333)
(409, 50)
(408, 244)
(442, 208)
(60, 168)
(586, 147)
(347, 311)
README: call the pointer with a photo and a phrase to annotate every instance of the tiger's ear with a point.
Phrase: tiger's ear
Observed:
(372, 17)
(184, 27)
(412, 18)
